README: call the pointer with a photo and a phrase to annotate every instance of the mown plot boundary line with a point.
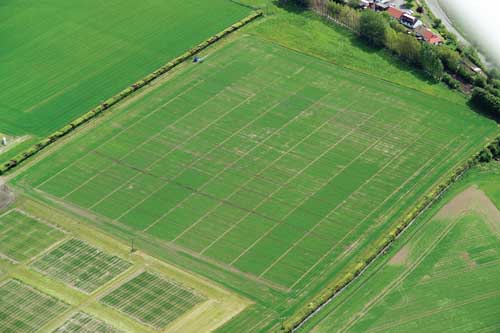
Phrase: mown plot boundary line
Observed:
(385, 166)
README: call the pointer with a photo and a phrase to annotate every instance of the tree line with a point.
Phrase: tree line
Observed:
(446, 63)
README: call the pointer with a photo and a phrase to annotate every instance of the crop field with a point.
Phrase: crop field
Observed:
(81, 322)
(22, 237)
(80, 265)
(445, 279)
(24, 309)
(88, 50)
(267, 160)
(152, 300)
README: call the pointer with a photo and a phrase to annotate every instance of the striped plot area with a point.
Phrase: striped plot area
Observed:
(270, 161)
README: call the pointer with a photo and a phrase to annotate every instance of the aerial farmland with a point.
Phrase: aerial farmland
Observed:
(228, 166)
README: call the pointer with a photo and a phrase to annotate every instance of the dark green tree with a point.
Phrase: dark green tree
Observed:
(301, 3)
(431, 63)
(408, 48)
(450, 58)
(486, 102)
(373, 28)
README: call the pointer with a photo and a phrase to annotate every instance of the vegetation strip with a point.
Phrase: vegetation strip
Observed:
(123, 94)
(329, 293)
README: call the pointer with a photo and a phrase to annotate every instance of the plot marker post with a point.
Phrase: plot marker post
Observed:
(133, 249)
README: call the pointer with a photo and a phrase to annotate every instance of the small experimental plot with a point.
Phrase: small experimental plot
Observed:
(24, 309)
(117, 42)
(266, 160)
(152, 299)
(22, 237)
(445, 279)
(80, 265)
(81, 322)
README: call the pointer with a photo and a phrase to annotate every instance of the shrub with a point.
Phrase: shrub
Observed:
(480, 81)
(431, 63)
(465, 74)
(486, 102)
(373, 28)
(450, 81)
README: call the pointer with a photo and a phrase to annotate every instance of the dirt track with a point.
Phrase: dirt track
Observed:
(6, 196)
(472, 199)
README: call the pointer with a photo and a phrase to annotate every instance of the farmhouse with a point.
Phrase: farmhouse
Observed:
(404, 18)
(395, 13)
(381, 7)
(427, 35)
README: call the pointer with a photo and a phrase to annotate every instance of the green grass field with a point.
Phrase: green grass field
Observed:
(309, 33)
(24, 309)
(441, 278)
(152, 299)
(265, 169)
(22, 237)
(70, 57)
(80, 265)
(267, 160)
(81, 322)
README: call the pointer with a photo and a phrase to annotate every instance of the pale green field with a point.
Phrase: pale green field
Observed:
(24, 309)
(60, 289)
(81, 322)
(152, 299)
(80, 265)
(443, 279)
(22, 237)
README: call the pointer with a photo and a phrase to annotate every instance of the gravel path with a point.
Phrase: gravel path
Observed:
(438, 11)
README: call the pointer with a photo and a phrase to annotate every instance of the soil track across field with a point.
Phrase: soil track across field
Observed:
(6, 196)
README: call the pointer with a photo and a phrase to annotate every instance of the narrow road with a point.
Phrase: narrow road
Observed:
(439, 11)
(435, 7)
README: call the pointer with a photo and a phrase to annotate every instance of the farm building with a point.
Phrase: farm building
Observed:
(427, 35)
(395, 13)
(410, 21)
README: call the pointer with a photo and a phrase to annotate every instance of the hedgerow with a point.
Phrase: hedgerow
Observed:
(123, 94)
(380, 246)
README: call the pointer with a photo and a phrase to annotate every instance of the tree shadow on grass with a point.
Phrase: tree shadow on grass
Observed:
(483, 112)
(289, 6)
(356, 42)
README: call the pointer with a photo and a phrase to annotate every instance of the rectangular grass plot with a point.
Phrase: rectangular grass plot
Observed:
(22, 237)
(25, 309)
(83, 323)
(81, 265)
(152, 300)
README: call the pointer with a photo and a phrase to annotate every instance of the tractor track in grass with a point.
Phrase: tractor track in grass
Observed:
(6, 196)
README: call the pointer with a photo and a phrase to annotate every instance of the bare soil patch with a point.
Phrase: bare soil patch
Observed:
(466, 257)
(6, 196)
(472, 199)
(400, 257)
